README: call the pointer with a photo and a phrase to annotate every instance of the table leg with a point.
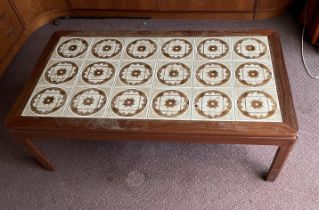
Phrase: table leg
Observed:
(37, 154)
(279, 161)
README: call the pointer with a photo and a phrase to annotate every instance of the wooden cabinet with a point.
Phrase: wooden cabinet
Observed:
(31, 9)
(134, 5)
(182, 5)
(92, 4)
(10, 27)
(230, 5)
(270, 8)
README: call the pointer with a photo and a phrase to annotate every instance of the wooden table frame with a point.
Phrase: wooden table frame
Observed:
(281, 134)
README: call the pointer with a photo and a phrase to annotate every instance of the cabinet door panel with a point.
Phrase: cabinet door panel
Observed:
(182, 5)
(134, 4)
(272, 4)
(30, 9)
(10, 27)
(230, 5)
(92, 4)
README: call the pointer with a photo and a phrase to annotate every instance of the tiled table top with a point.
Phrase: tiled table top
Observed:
(165, 78)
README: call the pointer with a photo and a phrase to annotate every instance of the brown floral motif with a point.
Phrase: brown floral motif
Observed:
(135, 73)
(256, 104)
(250, 48)
(98, 73)
(212, 74)
(106, 48)
(253, 74)
(129, 102)
(170, 103)
(173, 74)
(213, 104)
(48, 100)
(213, 48)
(88, 101)
(141, 48)
(177, 48)
(72, 48)
(61, 72)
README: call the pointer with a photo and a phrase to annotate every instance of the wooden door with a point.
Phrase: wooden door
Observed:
(182, 5)
(10, 27)
(230, 5)
(272, 4)
(134, 4)
(91, 4)
(31, 9)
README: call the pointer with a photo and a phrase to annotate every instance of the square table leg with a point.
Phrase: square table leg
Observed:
(36, 153)
(279, 160)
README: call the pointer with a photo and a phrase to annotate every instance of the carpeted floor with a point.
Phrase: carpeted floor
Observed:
(135, 175)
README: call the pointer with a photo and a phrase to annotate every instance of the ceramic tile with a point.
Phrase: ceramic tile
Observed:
(129, 102)
(107, 48)
(88, 102)
(176, 48)
(254, 74)
(213, 104)
(136, 73)
(257, 105)
(170, 104)
(141, 48)
(60, 72)
(213, 48)
(159, 78)
(213, 74)
(47, 101)
(72, 48)
(252, 47)
(98, 72)
(173, 74)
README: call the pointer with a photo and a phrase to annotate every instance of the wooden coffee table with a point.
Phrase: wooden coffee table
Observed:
(225, 87)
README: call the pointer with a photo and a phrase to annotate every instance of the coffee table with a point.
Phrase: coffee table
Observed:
(225, 87)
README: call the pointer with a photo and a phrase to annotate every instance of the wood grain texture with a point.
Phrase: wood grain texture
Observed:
(182, 5)
(31, 9)
(134, 5)
(10, 28)
(230, 5)
(84, 4)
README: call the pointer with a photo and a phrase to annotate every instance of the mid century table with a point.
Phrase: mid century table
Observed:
(227, 87)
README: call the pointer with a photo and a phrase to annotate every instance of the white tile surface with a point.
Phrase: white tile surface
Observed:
(162, 78)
